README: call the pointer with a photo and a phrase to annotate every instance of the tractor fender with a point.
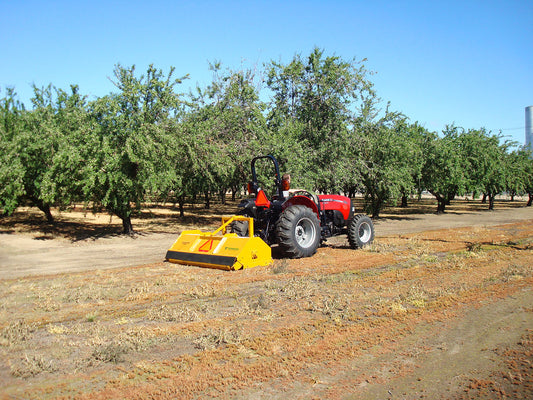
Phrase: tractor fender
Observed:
(304, 201)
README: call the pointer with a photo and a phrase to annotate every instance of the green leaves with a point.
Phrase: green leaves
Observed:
(443, 174)
(317, 98)
(391, 160)
(145, 141)
(132, 145)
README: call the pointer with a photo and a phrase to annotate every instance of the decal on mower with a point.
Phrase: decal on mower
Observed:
(231, 248)
(203, 248)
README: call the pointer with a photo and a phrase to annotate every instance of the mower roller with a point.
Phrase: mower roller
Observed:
(220, 249)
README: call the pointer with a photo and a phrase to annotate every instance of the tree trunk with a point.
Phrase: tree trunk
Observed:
(207, 200)
(45, 208)
(48, 213)
(441, 206)
(441, 203)
(181, 202)
(491, 201)
(376, 205)
(530, 201)
(127, 227)
(404, 201)
(484, 199)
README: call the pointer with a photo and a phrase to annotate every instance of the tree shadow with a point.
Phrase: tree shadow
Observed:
(76, 224)
(77, 228)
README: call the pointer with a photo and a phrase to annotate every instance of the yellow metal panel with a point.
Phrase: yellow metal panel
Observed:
(227, 251)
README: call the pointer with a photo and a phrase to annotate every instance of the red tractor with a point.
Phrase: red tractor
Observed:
(299, 221)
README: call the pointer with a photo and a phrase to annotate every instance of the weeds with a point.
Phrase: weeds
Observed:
(262, 303)
(203, 291)
(31, 365)
(218, 337)
(16, 332)
(56, 329)
(378, 246)
(474, 247)
(334, 307)
(91, 317)
(173, 313)
(416, 297)
(297, 288)
(138, 292)
(280, 267)
(110, 352)
(515, 272)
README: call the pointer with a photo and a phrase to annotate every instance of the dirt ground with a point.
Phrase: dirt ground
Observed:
(440, 306)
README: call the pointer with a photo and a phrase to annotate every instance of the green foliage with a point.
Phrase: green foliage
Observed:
(131, 150)
(317, 98)
(323, 123)
(443, 174)
(11, 168)
(484, 162)
(519, 164)
(222, 126)
(391, 161)
(35, 148)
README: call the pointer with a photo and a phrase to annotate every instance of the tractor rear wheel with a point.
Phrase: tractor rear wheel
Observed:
(298, 232)
(240, 228)
(360, 231)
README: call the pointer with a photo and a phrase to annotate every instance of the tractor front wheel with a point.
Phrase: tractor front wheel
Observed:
(298, 232)
(360, 231)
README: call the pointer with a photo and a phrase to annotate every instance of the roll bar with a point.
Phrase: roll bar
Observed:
(277, 179)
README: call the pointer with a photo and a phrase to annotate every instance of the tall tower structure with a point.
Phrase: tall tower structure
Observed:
(529, 127)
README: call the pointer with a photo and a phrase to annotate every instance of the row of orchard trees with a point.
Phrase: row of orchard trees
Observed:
(322, 120)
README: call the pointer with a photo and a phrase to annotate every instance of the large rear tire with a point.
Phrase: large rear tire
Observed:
(240, 227)
(298, 232)
(360, 231)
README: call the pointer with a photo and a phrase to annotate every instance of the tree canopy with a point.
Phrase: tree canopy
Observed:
(318, 114)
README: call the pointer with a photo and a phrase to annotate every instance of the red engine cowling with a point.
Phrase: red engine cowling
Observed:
(335, 202)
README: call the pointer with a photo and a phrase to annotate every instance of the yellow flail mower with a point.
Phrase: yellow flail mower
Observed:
(220, 249)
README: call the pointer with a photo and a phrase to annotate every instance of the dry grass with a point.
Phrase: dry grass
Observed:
(169, 331)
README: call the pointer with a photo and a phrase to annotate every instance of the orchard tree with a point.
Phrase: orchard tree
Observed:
(443, 174)
(485, 159)
(386, 153)
(12, 114)
(418, 138)
(131, 153)
(36, 150)
(318, 97)
(226, 124)
(526, 159)
(517, 162)
(64, 178)
(40, 148)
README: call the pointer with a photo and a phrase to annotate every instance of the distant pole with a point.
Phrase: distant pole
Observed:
(529, 127)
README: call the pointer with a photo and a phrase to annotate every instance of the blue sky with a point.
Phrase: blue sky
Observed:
(439, 62)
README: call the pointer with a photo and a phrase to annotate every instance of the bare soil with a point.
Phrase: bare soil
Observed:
(440, 306)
